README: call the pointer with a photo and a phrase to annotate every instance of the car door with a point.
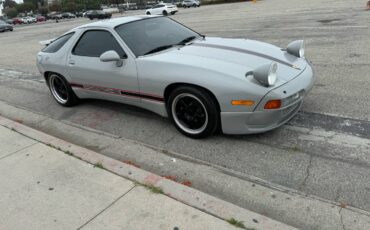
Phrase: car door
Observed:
(105, 80)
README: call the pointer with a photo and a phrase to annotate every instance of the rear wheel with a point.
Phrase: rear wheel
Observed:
(148, 13)
(193, 111)
(61, 90)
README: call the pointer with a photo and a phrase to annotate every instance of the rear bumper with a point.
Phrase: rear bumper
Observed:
(262, 120)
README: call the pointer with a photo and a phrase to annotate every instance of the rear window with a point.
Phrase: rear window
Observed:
(57, 44)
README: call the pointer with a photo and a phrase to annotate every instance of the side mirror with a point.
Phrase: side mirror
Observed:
(111, 55)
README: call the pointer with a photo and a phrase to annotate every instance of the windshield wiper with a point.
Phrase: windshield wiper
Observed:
(160, 48)
(186, 40)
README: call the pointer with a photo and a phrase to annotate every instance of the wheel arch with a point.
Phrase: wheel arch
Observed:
(46, 76)
(48, 73)
(172, 86)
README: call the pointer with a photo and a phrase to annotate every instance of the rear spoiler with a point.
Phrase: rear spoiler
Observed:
(47, 42)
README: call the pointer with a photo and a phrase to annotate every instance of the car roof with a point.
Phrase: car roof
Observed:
(111, 23)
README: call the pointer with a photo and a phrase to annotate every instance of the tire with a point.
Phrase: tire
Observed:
(194, 5)
(193, 111)
(173, 13)
(147, 13)
(165, 13)
(61, 90)
(11, 29)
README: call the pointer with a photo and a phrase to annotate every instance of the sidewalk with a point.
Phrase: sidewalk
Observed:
(44, 186)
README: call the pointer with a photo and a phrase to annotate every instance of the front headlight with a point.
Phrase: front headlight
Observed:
(266, 74)
(296, 48)
(272, 76)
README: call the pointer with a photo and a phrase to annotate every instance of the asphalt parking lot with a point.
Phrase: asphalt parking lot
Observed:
(324, 151)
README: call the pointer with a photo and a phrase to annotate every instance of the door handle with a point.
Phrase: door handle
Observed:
(71, 62)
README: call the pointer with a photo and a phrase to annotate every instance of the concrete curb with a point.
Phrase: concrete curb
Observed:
(177, 191)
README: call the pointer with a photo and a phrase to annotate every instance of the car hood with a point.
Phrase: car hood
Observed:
(249, 54)
(227, 57)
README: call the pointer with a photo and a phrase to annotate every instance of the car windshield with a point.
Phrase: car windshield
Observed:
(154, 34)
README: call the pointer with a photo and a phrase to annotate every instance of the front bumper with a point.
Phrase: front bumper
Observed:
(261, 120)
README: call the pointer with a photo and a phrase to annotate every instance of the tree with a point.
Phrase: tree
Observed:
(33, 2)
(11, 12)
(26, 7)
(80, 7)
(9, 4)
(43, 10)
(92, 4)
(55, 7)
(70, 7)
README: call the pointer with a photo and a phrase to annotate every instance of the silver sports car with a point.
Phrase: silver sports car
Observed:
(201, 83)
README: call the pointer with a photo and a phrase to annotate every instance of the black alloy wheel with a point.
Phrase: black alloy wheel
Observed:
(193, 111)
(61, 90)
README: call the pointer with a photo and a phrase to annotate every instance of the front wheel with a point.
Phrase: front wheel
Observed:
(165, 13)
(148, 13)
(193, 111)
(61, 90)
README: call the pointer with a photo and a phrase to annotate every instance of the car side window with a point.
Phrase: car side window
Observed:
(57, 44)
(94, 43)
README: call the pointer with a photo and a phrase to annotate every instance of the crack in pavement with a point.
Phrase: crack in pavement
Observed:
(341, 218)
(307, 173)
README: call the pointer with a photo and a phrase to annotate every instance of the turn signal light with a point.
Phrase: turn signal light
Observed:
(242, 102)
(273, 104)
